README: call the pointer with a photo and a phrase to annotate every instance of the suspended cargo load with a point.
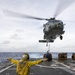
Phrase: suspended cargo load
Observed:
(48, 56)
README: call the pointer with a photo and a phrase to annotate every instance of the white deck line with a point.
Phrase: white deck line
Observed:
(66, 67)
(5, 68)
(61, 64)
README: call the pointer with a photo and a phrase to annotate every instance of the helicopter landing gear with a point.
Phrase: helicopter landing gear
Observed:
(61, 37)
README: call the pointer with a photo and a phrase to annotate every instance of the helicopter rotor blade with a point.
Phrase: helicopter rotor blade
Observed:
(62, 5)
(19, 15)
(68, 21)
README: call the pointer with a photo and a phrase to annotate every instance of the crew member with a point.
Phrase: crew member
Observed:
(23, 65)
(47, 54)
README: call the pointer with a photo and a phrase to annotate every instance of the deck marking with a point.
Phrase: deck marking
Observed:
(61, 64)
(5, 68)
(67, 69)
(31, 73)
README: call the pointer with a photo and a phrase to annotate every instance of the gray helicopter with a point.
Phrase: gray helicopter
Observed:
(53, 28)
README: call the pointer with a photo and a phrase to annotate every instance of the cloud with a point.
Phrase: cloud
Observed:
(15, 37)
(19, 30)
(23, 34)
(6, 42)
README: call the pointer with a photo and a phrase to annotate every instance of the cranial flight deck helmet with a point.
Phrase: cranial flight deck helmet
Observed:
(25, 56)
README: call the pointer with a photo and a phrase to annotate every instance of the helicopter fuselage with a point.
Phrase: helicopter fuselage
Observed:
(53, 29)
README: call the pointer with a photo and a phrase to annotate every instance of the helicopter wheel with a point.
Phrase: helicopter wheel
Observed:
(61, 37)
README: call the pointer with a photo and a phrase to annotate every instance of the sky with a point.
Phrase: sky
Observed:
(22, 35)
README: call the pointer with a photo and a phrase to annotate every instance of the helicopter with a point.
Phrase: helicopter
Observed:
(52, 29)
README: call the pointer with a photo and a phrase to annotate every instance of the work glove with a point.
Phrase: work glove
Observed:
(45, 59)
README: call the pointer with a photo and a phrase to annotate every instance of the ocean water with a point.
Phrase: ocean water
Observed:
(18, 55)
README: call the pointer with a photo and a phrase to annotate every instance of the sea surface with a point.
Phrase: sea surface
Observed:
(18, 55)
